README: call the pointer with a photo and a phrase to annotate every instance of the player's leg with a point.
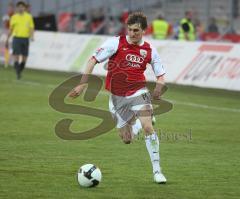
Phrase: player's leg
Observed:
(16, 46)
(17, 66)
(136, 126)
(126, 134)
(123, 124)
(23, 63)
(24, 52)
(152, 143)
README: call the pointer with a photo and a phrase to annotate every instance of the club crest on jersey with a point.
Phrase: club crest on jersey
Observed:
(143, 53)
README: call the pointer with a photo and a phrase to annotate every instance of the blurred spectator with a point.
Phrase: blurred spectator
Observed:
(124, 15)
(6, 18)
(97, 21)
(123, 19)
(187, 30)
(212, 27)
(114, 26)
(175, 30)
(161, 29)
(81, 25)
(64, 22)
(221, 15)
(199, 28)
(229, 29)
(6, 24)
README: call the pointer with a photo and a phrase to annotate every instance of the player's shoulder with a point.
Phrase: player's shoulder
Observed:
(115, 38)
(29, 15)
(14, 16)
(154, 51)
(150, 46)
(112, 41)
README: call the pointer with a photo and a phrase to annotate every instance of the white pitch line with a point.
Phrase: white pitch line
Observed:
(34, 83)
(204, 106)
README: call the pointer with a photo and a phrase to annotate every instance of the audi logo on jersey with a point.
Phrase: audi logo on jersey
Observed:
(134, 58)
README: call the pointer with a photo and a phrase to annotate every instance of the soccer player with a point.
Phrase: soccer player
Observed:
(130, 99)
(21, 28)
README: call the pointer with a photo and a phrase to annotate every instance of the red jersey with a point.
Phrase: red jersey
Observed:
(126, 65)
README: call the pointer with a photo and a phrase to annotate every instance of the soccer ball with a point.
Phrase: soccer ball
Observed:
(89, 175)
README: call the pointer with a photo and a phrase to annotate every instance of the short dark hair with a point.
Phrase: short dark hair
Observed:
(139, 18)
(21, 3)
(188, 12)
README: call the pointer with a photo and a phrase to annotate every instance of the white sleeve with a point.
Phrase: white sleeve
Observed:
(107, 49)
(156, 63)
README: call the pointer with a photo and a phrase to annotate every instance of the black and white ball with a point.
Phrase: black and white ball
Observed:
(89, 175)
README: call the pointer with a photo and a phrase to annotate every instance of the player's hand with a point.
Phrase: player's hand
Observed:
(156, 94)
(77, 91)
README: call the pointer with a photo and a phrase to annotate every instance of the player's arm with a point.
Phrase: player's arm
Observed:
(83, 82)
(32, 34)
(160, 83)
(31, 28)
(103, 53)
(159, 73)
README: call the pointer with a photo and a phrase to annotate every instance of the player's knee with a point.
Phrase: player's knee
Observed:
(148, 128)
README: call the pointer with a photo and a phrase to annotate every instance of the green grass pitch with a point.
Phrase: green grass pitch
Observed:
(35, 163)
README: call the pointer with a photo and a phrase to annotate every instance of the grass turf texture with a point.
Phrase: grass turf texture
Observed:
(35, 163)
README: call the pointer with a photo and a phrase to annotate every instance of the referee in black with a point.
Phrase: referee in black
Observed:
(22, 29)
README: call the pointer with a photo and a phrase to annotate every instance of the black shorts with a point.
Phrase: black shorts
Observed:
(20, 46)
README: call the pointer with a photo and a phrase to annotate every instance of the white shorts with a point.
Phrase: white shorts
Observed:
(124, 109)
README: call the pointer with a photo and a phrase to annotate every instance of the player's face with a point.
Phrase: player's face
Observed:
(135, 33)
(21, 8)
(190, 15)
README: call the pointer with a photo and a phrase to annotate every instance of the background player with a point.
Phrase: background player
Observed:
(21, 28)
(130, 99)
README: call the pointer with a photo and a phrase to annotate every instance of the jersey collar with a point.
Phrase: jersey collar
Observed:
(128, 40)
